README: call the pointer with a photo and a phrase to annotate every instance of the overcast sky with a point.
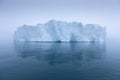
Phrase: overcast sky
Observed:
(14, 13)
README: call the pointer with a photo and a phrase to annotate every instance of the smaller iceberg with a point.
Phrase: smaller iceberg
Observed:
(60, 31)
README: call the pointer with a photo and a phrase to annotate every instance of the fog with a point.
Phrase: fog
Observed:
(14, 13)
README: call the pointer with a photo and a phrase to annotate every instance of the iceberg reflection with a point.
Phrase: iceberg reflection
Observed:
(57, 53)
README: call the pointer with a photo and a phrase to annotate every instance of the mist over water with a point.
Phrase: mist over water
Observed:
(54, 53)
(59, 61)
(56, 61)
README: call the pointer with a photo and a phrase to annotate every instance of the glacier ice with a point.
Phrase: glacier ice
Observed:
(60, 31)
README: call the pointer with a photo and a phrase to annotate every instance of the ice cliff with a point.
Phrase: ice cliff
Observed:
(60, 31)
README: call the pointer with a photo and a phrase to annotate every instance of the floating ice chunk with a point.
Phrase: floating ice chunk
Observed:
(59, 31)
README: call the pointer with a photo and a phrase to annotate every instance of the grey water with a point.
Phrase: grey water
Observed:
(60, 61)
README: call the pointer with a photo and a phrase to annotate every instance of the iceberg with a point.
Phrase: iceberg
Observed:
(60, 31)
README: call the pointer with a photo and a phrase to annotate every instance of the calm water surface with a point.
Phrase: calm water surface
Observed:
(59, 61)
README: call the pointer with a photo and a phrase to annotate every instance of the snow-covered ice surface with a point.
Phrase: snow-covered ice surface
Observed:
(60, 31)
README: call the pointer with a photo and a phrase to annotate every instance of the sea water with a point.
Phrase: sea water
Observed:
(59, 61)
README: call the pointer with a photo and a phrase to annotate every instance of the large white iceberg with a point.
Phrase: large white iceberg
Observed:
(60, 31)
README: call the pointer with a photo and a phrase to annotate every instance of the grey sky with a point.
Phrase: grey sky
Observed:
(14, 13)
